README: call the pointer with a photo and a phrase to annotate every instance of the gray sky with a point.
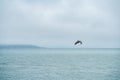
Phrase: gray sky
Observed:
(59, 23)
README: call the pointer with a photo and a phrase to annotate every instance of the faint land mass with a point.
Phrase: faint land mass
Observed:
(19, 46)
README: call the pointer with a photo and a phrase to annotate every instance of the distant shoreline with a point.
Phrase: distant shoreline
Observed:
(18, 46)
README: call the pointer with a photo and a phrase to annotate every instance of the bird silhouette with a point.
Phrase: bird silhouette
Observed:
(78, 41)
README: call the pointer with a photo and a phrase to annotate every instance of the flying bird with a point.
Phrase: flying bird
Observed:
(78, 41)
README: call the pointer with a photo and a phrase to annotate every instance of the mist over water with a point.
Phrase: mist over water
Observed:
(59, 64)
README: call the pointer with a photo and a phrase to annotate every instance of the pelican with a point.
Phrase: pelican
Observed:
(78, 41)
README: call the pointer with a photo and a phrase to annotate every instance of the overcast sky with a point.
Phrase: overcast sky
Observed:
(59, 23)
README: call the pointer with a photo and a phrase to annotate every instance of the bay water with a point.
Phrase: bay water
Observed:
(59, 64)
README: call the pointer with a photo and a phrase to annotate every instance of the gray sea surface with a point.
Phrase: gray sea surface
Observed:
(59, 64)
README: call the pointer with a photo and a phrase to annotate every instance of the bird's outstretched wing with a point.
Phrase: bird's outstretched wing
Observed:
(78, 42)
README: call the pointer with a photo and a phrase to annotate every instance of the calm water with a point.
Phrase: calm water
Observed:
(60, 64)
